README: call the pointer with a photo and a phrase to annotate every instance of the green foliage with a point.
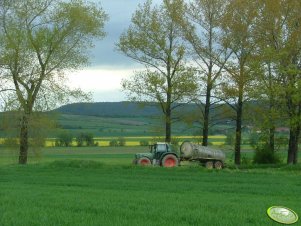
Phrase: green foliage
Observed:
(85, 139)
(258, 139)
(113, 143)
(64, 139)
(166, 79)
(50, 37)
(263, 155)
(245, 160)
(121, 141)
(118, 142)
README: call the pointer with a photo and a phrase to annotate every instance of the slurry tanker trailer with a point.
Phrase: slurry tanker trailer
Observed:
(162, 154)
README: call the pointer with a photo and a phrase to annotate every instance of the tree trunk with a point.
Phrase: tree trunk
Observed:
(272, 138)
(292, 157)
(238, 130)
(168, 129)
(206, 116)
(271, 109)
(168, 121)
(24, 139)
(168, 112)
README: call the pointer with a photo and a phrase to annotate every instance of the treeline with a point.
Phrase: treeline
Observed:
(228, 51)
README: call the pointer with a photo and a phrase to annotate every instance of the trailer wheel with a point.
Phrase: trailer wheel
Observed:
(144, 161)
(218, 165)
(170, 161)
(209, 165)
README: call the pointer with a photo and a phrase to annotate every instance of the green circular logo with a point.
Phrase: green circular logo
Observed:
(282, 215)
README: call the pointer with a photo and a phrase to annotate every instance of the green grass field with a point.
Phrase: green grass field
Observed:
(99, 186)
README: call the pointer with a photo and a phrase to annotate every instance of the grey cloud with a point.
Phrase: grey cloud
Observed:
(120, 13)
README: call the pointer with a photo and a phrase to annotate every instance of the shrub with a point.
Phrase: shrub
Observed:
(113, 143)
(121, 141)
(64, 139)
(263, 155)
(85, 138)
(80, 140)
(89, 138)
(245, 160)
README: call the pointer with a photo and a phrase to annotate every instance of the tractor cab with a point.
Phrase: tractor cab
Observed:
(158, 149)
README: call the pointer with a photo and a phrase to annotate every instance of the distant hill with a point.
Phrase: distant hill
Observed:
(111, 109)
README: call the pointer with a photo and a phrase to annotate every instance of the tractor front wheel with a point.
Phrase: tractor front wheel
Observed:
(170, 161)
(144, 161)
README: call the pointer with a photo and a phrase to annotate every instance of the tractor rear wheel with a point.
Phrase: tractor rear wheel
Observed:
(144, 161)
(170, 161)
(209, 165)
(218, 165)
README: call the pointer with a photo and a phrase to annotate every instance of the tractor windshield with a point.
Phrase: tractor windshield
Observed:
(161, 147)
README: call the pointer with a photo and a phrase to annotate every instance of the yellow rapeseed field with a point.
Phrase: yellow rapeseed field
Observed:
(132, 141)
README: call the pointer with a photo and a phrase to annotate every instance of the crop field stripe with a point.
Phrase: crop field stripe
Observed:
(133, 141)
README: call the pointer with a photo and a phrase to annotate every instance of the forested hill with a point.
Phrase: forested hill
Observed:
(111, 109)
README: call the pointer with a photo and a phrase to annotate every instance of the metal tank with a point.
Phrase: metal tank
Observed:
(191, 151)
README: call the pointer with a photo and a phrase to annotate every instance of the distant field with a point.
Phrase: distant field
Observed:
(125, 126)
(135, 141)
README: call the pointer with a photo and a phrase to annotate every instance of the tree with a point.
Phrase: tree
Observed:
(200, 25)
(40, 41)
(85, 138)
(268, 110)
(65, 138)
(154, 40)
(280, 25)
(238, 25)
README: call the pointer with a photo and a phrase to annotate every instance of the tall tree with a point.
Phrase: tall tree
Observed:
(40, 40)
(200, 21)
(154, 40)
(266, 92)
(238, 24)
(281, 25)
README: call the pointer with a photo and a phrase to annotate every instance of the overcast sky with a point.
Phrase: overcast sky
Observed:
(109, 67)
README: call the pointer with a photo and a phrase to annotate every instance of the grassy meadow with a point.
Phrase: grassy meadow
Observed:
(91, 186)
(99, 186)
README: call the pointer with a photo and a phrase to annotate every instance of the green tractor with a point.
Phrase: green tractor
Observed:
(161, 154)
